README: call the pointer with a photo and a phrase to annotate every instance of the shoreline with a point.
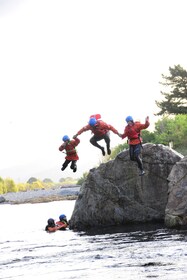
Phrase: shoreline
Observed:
(40, 196)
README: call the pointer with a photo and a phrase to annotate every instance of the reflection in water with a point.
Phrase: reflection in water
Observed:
(128, 252)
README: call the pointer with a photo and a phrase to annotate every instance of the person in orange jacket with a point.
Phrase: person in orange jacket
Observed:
(63, 223)
(71, 153)
(132, 132)
(101, 131)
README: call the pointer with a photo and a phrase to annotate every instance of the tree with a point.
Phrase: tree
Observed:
(147, 136)
(176, 98)
(172, 130)
(36, 185)
(21, 187)
(31, 180)
(10, 185)
(47, 180)
(2, 186)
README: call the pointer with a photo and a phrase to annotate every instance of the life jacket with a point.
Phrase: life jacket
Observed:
(62, 224)
(70, 148)
(100, 128)
(133, 132)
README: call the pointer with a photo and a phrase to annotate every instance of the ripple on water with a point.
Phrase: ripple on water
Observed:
(128, 253)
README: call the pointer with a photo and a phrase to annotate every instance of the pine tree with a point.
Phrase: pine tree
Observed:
(176, 99)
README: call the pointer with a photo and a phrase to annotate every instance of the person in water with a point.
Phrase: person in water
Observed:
(51, 226)
(62, 222)
(71, 152)
(132, 132)
(100, 130)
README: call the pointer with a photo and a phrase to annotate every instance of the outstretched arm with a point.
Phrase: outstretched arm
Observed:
(85, 128)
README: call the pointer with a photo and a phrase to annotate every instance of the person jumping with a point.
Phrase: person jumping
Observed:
(132, 131)
(71, 153)
(100, 130)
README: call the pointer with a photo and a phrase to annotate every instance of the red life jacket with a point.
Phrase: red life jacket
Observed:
(70, 149)
(133, 132)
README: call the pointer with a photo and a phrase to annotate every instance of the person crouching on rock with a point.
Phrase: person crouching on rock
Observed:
(51, 226)
(63, 223)
(71, 153)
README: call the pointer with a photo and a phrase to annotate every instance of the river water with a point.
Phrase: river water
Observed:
(130, 253)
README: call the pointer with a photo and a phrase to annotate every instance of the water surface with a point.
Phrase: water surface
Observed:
(131, 253)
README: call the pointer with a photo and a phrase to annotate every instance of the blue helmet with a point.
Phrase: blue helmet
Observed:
(62, 217)
(129, 119)
(65, 138)
(92, 121)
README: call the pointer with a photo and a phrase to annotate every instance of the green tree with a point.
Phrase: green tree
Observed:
(36, 185)
(172, 130)
(31, 180)
(164, 133)
(21, 187)
(1, 186)
(176, 96)
(10, 185)
(147, 136)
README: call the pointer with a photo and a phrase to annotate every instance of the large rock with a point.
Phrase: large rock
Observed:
(114, 193)
(176, 209)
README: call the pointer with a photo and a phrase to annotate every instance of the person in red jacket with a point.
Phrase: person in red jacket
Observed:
(132, 132)
(101, 131)
(71, 153)
(63, 223)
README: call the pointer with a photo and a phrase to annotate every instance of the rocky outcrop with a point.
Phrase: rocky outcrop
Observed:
(176, 209)
(114, 193)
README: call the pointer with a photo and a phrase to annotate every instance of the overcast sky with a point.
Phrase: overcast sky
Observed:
(61, 61)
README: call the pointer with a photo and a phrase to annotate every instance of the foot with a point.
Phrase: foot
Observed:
(62, 168)
(75, 169)
(108, 151)
(103, 151)
(142, 172)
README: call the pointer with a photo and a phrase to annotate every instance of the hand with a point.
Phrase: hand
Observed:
(147, 119)
(120, 135)
(75, 136)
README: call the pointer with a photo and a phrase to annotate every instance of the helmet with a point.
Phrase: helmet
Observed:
(65, 138)
(62, 217)
(92, 121)
(51, 222)
(129, 119)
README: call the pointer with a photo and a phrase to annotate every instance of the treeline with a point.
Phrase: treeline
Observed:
(8, 184)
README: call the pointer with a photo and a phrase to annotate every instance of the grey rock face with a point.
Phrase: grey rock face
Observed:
(2, 199)
(114, 193)
(176, 209)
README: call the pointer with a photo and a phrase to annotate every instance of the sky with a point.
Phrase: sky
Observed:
(62, 61)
